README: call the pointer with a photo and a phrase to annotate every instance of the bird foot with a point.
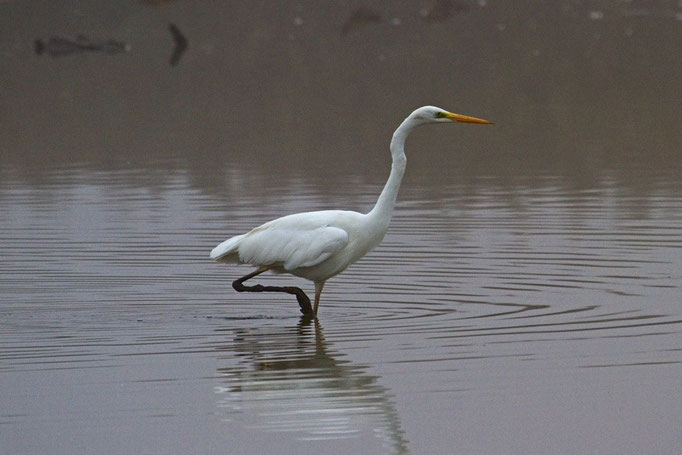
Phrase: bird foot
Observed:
(304, 303)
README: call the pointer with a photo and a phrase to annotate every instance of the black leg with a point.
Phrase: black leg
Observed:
(303, 300)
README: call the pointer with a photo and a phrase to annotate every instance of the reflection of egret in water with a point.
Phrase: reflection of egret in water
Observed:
(290, 380)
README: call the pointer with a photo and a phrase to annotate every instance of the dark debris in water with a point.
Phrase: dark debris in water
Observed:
(61, 46)
(181, 44)
(360, 18)
(442, 10)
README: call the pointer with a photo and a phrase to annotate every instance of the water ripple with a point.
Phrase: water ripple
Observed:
(477, 290)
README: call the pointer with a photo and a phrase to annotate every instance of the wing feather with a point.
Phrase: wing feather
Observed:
(291, 247)
(293, 241)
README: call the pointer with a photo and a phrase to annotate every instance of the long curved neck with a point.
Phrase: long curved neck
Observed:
(383, 209)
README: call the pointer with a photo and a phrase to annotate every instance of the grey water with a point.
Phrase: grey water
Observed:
(526, 299)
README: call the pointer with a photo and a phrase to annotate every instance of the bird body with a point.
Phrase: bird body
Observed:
(319, 245)
(311, 245)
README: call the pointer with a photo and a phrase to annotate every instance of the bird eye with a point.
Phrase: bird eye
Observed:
(440, 114)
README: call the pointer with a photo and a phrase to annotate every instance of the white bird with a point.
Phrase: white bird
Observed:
(318, 245)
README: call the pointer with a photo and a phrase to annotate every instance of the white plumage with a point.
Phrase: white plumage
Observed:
(319, 245)
(292, 242)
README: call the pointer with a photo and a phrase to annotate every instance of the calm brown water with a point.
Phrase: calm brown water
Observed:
(527, 298)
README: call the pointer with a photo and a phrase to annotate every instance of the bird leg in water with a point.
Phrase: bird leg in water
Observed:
(318, 291)
(303, 300)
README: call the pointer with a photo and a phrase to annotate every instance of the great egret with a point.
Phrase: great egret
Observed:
(318, 245)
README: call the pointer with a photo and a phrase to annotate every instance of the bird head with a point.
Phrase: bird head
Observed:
(432, 114)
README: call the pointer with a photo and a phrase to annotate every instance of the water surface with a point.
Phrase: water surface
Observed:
(549, 314)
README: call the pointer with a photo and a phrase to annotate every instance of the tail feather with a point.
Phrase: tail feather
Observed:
(226, 248)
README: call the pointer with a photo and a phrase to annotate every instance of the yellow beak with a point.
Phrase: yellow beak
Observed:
(466, 119)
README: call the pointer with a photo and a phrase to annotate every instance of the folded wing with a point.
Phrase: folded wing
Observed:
(288, 246)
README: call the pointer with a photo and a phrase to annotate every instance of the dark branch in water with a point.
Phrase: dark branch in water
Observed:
(60, 46)
(443, 10)
(180, 44)
(360, 18)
